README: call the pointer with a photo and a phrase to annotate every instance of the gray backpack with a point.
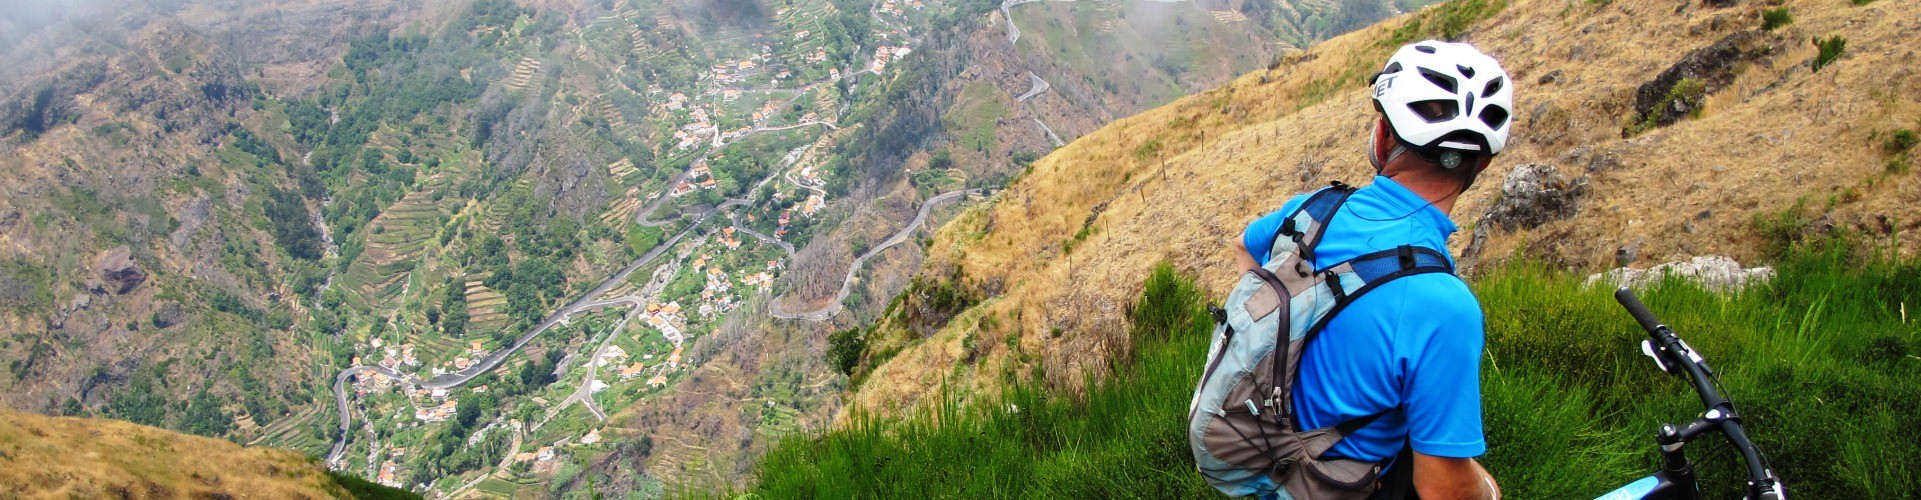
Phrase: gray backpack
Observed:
(1241, 424)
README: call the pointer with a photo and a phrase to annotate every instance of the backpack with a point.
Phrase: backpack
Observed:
(1241, 425)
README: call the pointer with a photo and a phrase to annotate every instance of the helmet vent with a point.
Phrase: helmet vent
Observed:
(1492, 87)
(1445, 82)
(1392, 68)
(1465, 71)
(1494, 117)
(1425, 49)
(1436, 111)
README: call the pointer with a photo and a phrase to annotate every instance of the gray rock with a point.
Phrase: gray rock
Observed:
(1714, 272)
(1534, 194)
(168, 314)
(1549, 78)
(119, 271)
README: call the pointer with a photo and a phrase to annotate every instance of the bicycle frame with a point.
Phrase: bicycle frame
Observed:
(1676, 478)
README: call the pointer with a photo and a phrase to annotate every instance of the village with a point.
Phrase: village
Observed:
(791, 87)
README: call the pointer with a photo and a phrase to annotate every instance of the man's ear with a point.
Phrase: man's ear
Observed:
(1383, 138)
(1378, 145)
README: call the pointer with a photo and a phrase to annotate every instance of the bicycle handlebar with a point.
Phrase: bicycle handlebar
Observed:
(1637, 309)
(1682, 361)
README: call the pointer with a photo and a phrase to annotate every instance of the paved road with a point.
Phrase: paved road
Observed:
(847, 285)
(1037, 86)
(1049, 132)
(585, 394)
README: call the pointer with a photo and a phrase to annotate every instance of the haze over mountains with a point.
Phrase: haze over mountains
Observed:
(495, 229)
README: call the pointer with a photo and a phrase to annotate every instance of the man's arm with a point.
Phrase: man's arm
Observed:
(1243, 261)
(1443, 478)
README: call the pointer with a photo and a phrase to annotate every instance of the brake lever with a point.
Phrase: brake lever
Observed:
(1647, 348)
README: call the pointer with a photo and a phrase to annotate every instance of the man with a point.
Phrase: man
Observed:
(1413, 346)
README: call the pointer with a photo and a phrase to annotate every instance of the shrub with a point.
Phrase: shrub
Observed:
(1775, 18)
(1830, 50)
(844, 349)
(1900, 141)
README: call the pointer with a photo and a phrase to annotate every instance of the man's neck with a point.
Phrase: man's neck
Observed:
(1439, 187)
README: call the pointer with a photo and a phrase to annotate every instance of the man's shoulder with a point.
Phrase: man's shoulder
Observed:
(1440, 296)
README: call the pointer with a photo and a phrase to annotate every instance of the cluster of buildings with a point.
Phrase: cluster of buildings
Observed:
(700, 178)
(884, 53)
(633, 371)
(378, 382)
(610, 356)
(395, 356)
(390, 475)
(667, 318)
(735, 71)
(763, 280)
(715, 295)
(445, 410)
(896, 8)
(545, 453)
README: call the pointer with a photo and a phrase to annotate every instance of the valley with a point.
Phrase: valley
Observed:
(496, 247)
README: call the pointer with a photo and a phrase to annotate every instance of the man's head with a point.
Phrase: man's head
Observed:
(1447, 103)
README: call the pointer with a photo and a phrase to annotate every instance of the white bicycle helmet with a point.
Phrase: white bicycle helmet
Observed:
(1446, 97)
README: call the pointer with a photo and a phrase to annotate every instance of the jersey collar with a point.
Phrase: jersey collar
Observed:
(1400, 200)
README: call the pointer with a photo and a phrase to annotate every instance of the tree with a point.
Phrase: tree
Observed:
(844, 349)
(203, 416)
(523, 303)
(292, 226)
(467, 413)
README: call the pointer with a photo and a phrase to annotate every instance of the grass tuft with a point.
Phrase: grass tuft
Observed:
(1776, 18)
(1830, 50)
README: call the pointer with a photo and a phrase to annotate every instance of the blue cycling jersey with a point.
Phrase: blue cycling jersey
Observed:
(1412, 345)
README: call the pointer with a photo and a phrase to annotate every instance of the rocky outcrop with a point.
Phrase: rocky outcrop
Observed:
(1713, 272)
(1684, 87)
(119, 271)
(1534, 194)
(168, 314)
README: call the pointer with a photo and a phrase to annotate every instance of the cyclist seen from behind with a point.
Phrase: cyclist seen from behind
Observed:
(1410, 350)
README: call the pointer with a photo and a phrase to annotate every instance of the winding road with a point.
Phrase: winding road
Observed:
(847, 285)
(1037, 86)
(591, 300)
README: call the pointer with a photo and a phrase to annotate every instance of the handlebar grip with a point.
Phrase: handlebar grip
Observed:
(1639, 311)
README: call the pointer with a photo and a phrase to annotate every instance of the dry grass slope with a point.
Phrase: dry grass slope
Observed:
(60, 457)
(1177, 182)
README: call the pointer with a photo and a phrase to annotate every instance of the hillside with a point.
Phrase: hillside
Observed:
(1761, 147)
(64, 457)
(355, 229)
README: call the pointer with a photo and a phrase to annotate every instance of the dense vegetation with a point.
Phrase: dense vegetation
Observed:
(1820, 361)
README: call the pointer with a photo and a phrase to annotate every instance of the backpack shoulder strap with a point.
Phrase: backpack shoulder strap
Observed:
(1350, 279)
(1308, 223)
(1347, 281)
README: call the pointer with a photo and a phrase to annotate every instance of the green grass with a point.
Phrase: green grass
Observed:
(975, 114)
(1831, 49)
(1775, 18)
(1820, 362)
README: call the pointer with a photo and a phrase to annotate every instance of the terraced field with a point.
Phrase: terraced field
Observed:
(484, 307)
(294, 432)
(523, 73)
